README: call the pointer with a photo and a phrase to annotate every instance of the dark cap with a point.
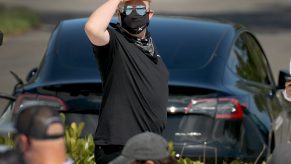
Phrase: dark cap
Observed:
(143, 146)
(35, 121)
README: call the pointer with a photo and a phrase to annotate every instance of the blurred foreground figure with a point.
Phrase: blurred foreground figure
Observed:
(145, 148)
(40, 135)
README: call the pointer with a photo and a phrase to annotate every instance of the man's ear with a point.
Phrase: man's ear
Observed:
(116, 12)
(118, 16)
(151, 14)
(22, 142)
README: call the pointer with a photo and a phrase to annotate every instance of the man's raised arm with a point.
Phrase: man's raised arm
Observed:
(96, 26)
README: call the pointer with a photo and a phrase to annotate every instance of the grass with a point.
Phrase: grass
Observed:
(14, 20)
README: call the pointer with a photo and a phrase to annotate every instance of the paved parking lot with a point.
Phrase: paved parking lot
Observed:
(180, 6)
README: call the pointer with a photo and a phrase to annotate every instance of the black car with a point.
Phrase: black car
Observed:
(223, 104)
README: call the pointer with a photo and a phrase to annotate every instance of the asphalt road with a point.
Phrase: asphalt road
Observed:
(268, 19)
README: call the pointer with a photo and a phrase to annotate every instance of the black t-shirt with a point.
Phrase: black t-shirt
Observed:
(135, 91)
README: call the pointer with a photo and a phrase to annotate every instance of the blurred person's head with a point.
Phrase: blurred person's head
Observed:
(145, 148)
(134, 15)
(40, 135)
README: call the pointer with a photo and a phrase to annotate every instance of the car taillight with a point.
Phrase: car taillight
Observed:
(27, 98)
(221, 108)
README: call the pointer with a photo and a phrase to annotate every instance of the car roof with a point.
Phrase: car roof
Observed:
(188, 46)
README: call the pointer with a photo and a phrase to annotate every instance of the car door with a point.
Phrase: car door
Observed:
(249, 62)
(262, 73)
(275, 101)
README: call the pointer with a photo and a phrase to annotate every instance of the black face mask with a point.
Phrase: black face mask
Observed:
(134, 23)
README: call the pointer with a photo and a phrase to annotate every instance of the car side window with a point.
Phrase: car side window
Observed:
(248, 60)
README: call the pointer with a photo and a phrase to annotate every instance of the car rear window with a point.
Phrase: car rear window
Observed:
(183, 44)
(73, 48)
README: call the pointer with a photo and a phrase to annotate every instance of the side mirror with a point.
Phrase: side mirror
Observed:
(31, 74)
(1, 38)
(283, 74)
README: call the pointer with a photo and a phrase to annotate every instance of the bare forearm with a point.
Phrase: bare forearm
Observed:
(98, 21)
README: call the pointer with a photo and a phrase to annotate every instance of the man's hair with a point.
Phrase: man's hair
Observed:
(130, 0)
(123, 1)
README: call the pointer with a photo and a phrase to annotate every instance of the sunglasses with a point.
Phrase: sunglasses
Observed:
(139, 9)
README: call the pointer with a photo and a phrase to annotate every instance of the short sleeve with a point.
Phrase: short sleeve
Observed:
(104, 55)
(107, 50)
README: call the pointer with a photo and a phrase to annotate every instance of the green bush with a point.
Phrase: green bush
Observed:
(8, 140)
(81, 150)
(17, 19)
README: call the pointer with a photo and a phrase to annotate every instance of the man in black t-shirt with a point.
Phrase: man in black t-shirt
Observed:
(134, 77)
